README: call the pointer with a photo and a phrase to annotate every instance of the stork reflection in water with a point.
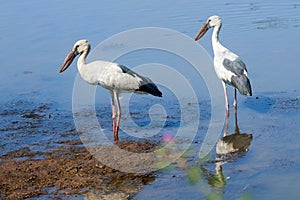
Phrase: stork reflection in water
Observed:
(229, 148)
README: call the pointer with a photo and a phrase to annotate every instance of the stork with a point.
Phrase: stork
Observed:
(111, 76)
(228, 66)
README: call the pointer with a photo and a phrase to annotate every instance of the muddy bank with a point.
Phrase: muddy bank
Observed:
(67, 171)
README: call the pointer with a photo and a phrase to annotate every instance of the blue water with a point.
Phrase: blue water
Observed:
(263, 34)
(36, 36)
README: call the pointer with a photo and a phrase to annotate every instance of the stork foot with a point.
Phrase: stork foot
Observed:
(116, 135)
(116, 138)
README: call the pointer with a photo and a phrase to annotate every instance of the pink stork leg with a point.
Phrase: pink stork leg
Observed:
(113, 108)
(234, 100)
(226, 97)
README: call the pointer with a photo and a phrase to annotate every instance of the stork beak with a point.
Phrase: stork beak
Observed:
(202, 31)
(68, 61)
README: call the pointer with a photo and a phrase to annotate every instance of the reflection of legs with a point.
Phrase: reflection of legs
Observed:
(226, 98)
(234, 100)
(113, 108)
(119, 113)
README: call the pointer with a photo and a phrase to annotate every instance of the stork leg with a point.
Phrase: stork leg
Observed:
(119, 113)
(237, 130)
(234, 100)
(226, 123)
(226, 97)
(113, 108)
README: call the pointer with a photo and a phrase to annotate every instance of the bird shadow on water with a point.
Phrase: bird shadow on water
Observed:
(229, 148)
(261, 104)
(274, 102)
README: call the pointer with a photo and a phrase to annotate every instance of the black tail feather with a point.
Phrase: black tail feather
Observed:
(242, 83)
(150, 88)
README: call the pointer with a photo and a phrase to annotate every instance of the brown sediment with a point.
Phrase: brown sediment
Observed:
(68, 170)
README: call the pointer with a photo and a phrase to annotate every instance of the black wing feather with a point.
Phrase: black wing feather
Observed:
(146, 86)
(242, 83)
(239, 80)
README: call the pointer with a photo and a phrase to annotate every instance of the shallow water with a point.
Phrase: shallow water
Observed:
(36, 101)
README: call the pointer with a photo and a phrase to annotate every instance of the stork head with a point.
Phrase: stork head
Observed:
(79, 47)
(212, 21)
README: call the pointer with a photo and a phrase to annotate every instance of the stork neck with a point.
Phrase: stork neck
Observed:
(215, 38)
(82, 57)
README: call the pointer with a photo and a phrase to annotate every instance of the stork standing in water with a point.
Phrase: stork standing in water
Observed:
(228, 66)
(112, 76)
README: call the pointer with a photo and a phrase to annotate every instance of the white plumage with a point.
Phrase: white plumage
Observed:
(228, 66)
(112, 76)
